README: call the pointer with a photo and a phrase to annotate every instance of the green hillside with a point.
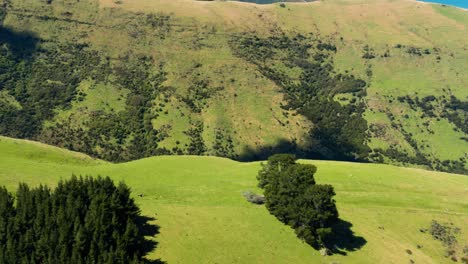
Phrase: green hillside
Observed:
(204, 218)
(379, 81)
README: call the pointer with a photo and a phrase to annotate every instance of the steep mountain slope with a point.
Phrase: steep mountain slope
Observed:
(204, 218)
(353, 80)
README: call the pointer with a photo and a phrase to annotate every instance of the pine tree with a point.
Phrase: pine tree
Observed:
(84, 220)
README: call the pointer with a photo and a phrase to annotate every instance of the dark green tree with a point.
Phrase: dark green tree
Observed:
(293, 196)
(84, 220)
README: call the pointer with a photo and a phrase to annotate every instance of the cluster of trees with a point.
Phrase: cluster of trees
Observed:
(223, 145)
(339, 129)
(368, 53)
(326, 46)
(420, 158)
(43, 78)
(452, 166)
(197, 144)
(39, 84)
(448, 107)
(83, 220)
(417, 51)
(456, 112)
(198, 94)
(292, 195)
(444, 232)
(118, 136)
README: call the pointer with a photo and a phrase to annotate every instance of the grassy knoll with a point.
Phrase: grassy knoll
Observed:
(203, 217)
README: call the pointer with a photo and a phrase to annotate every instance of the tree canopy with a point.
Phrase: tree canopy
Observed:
(293, 196)
(83, 220)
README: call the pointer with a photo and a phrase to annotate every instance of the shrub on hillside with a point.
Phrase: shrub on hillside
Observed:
(444, 233)
(447, 234)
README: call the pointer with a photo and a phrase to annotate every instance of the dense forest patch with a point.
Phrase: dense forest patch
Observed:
(83, 220)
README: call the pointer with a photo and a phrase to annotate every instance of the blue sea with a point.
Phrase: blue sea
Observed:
(457, 3)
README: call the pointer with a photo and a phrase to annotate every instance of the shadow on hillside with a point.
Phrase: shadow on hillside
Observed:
(148, 229)
(22, 44)
(283, 146)
(344, 239)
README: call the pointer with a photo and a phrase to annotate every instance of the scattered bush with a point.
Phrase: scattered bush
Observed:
(443, 232)
(446, 233)
(414, 51)
(197, 144)
(368, 53)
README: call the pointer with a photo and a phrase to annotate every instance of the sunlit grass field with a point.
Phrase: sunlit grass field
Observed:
(204, 218)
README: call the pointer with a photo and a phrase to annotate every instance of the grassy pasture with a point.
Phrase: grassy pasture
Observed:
(203, 217)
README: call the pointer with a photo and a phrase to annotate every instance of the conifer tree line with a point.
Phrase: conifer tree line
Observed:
(292, 195)
(83, 220)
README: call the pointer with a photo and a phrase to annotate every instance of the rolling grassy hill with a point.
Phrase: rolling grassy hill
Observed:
(122, 80)
(204, 218)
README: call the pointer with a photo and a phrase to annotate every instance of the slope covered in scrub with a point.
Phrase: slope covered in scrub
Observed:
(351, 80)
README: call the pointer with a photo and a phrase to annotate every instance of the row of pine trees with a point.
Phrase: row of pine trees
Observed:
(83, 220)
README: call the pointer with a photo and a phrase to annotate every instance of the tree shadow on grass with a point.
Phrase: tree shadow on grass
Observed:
(344, 239)
(148, 229)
